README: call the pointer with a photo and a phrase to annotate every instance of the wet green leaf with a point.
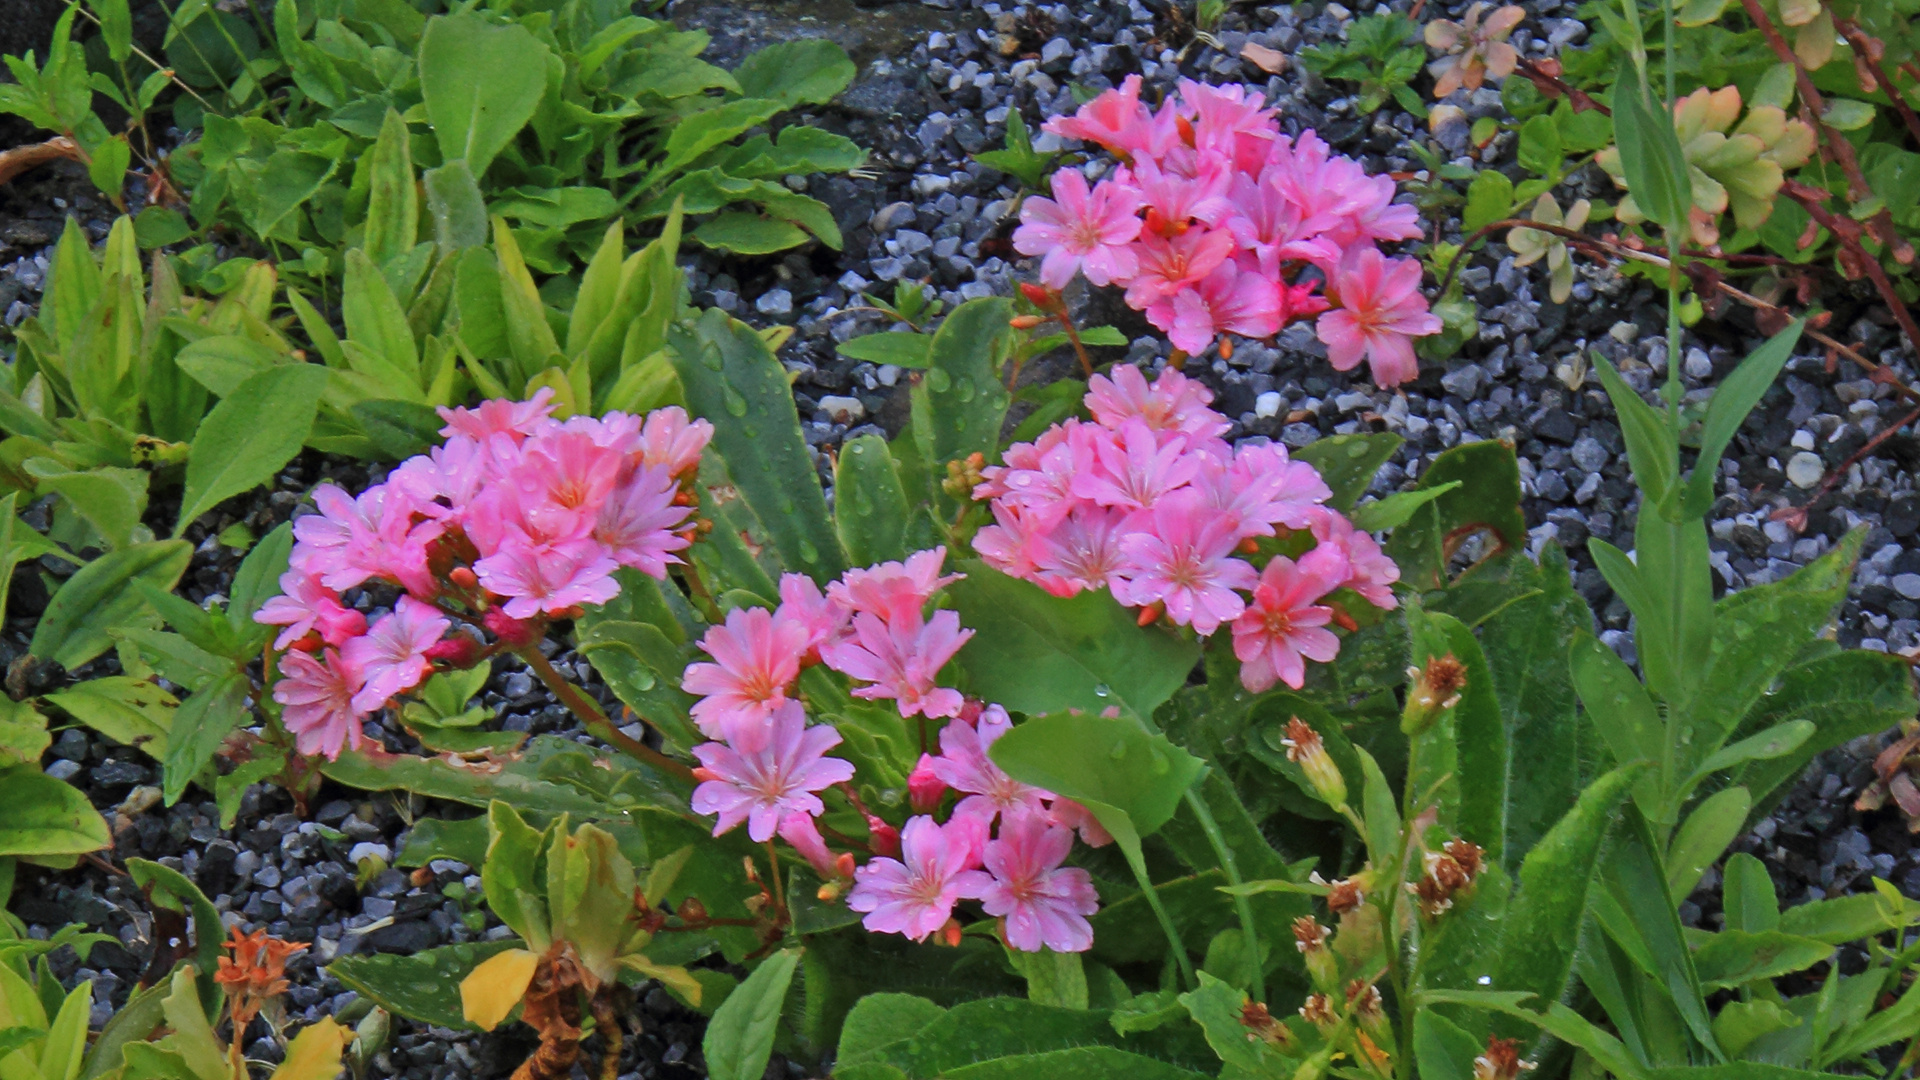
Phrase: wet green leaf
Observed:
(421, 986)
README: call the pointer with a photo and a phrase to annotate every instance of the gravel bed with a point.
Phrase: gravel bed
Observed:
(937, 80)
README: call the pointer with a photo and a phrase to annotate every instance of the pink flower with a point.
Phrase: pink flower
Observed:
(1044, 904)
(1080, 232)
(566, 477)
(924, 786)
(1380, 312)
(1185, 561)
(893, 591)
(1113, 119)
(1038, 476)
(1228, 120)
(762, 787)
(799, 830)
(902, 660)
(1173, 403)
(341, 544)
(1229, 300)
(516, 419)
(1369, 571)
(392, 657)
(914, 894)
(1132, 468)
(1082, 552)
(305, 606)
(1262, 488)
(1283, 627)
(818, 619)
(963, 765)
(318, 703)
(670, 440)
(1072, 815)
(1171, 265)
(548, 578)
(1010, 544)
(636, 521)
(1172, 200)
(758, 657)
(445, 480)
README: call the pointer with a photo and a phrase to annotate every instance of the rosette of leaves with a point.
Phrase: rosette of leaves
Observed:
(1531, 245)
(1732, 167)
(557, 118)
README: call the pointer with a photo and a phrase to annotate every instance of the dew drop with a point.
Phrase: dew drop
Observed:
(963, 390)
(1102, 690)
(735, 403)
(937, 381)
(711, 358)
(808, 553)
(1118, 752)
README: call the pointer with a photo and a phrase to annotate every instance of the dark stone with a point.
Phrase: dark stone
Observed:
(119, 773)
(1556, 426)
(404, 938)
(1903, 515)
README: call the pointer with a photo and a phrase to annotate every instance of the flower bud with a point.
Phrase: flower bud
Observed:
(1363, 1001)
(692, 910)
(1305, 749)
(1435, 690)
(924, 789)
(515, 633)
(843, 865)
(1501, 1061)
(1040, 296)
(1318, 1011)
(1311, 939)
(950, 934)
(1260, 1024)
(456, 650)
(464, 577)
(883, 838)
(970, 710)
(1344, 895)
(1026, 322)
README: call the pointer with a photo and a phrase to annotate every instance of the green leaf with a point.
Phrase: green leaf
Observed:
(165, 887)
(1396, 509)
(422, 986)
(393, 202)
(130, 711)
(744, 233)
(869, 505)
(378, 325)
(1736, 957)
(1036, 653)
(808, 70)
(1053, 978)
(42, 816)
(23, 733)
(906, 349)
(1443, 1049)
(1846, 114)
(1732, 400)
(1747, 894)
(1846, 695)
(1637, 911)
(1540, 150)
(398, 429)
(458, 210)
(1216, 1007)
(158, 226)
(1074, 1063)
(1651, 159)
(108, 169)
(1704, 836)
(1739, 1023)
(97, 598)
(1844, 919)
(250, 436)
(878, 1020)
(258, 580)
(530, 337)
(1542, 924)
(1651, 450)
(1112, 764)
(111, 499)
(960, 405)
(1621, 711)
(703, 131)
(1489, 199)
(1559, 1021)
(481, 83)
(1348, 463)
(200, 727)
(1486, 500)
(731, 377)
(739, 1038)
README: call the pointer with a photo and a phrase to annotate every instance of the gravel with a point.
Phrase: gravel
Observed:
(937, 80)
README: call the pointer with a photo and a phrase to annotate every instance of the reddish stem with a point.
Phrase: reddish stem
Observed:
(1863, 53)
(1848, 234)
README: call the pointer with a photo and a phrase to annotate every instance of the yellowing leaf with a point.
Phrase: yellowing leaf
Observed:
(315, 1053)
(676, 978)
(496, 986)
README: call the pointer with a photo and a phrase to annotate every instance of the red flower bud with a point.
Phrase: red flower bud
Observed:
(516, 633)
(885, 839)
(970, 709)
(844, 864)
(457, 650)
(1040, 296)
(463, 576)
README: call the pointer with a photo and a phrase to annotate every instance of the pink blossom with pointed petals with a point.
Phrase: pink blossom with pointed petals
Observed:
(1074, 816)
(392, 656)
(1038, 476)
(1262, 488)
(1114, 119)
(818, 619)
(1186, 561)
(1283, 627)
(1370, 572)
(1133, 468)
(901, 660)
(756, 658)
(1381, 311)
(1228, 300)
(894, 591)
(1080, 232)
(1172, 403)
(914, 894)
(925, 789)
(760, 787)
(963, 765)
(1172, 201)
(637, 520)
(1172, 265)
(1045, 904)
(317, 703)
(1011, 543)
(549, 578)
(304, 606)
(1081, 552)
(670, 440)
(500, 416)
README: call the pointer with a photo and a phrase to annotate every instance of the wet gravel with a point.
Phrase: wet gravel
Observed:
(937, 81)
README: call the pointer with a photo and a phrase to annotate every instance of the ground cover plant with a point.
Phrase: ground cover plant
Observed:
(1072, 742)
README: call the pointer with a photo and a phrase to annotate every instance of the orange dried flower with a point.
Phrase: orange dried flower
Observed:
(1501, 1061)
(1261, 1025)
(1344, 896)
(256, 972)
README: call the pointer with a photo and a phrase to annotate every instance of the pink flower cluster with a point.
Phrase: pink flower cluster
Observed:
(1149, 502)
(1214, 214)
(766, 767)
(517, 517)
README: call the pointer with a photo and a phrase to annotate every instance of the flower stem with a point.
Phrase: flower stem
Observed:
(1241, 905)
(1138, 864)
(595, 720)
(1073, 335)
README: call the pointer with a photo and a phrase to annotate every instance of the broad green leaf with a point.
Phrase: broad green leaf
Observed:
(398, 429)
(1542, 924)
(73, 283)
(481, 83)
(422, 986)
(1651, 450)
(1348, 463)
(1036, 653)
(133, 1022)
(1216, 1007)
(250, 436)
(1053, 978)
(1540, 150)
(551, 775)
(1651, 159)
(742, 233)
(165, 887)
(1112, 764)
(458, 210)
(192, 1037)
(393, 202)
(1674, 570)
(1394, 510)
(1639, 913)
(1559, 1021)
(739, 1038)
(1732, 400)
(1487, 501)
(97, 599)
(907, 350)
(200, 726)
(1704, 836)
(130, 711)
(528, 334)
(599, 290)
(23, 735)
(1739, 1023)
(869, 506)
(42, 816)
(960, 404)
(1621, 710)
(1443, 1049)
(798, 151)
(1777, 741)
(314, 1053)
(108, 169)
(1845, 114)
(258, 580)
(1846, 695)
(1748, 896)
(1734, 958)
(703, 131)
(732, 378)
(377, 323)
(1489, 199)
(804, 71)
(112, 499)
(282, 185)
(1846, 918)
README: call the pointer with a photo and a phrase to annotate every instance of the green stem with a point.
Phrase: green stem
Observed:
(1241, 904)
(1138, 864)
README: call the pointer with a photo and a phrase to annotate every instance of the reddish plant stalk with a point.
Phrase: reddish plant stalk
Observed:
(1863, 53)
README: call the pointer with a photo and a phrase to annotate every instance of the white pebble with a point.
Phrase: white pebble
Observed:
(1804, 469)
(1267, 404)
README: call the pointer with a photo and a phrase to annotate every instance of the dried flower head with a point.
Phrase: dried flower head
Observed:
(1261, 1025)
(1474, 49)
(255, 973)
(1306, 749)
(1435, 899)
(1318, 1011)
(1467, 853)
(1501, 1061)
(1308, 934)
(1363, 999)
(1344, 896)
